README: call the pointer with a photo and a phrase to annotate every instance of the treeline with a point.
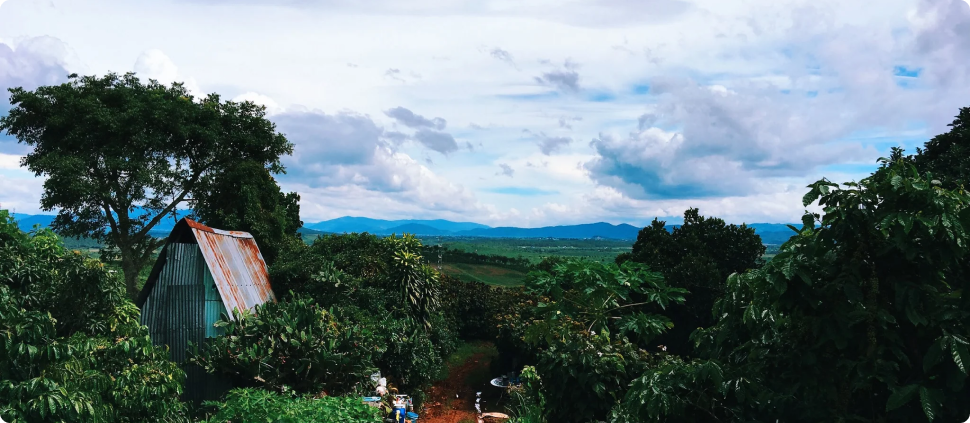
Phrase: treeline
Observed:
(861, 316)
(454, 255)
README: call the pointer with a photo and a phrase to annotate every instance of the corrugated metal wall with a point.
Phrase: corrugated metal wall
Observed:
(182, 307)
(213, 307)
(173, 311)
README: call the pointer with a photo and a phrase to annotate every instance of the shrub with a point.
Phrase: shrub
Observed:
(468, 308)
(588, 309)
(292, 343)
(258, 406)
(585, 375)
(862, 319)
(71, 347)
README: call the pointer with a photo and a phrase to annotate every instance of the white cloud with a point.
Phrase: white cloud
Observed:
(9, 161)
(154, 64)
(272, 107)
(708, 75)
(20, 194)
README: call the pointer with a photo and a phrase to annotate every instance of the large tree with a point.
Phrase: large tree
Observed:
(865, 318)
(947, 156)
(698, 256)
(120, 155)
(247, 198)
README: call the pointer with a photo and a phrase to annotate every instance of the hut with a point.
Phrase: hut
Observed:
(201, 274)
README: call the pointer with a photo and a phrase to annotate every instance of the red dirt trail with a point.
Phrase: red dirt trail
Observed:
(442, 406)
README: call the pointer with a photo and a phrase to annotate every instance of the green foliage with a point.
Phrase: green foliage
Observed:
(697, 256)
(947, 156)
(296, 344)
(119, 155)
(586, 374)
(71, 348)
(372, 283)
(245, 197)
(528, 402)
(865, 318)
(519, 250)
(587, 309)
(603, 297)
(514, 311)
(258, 406)
(453, 255)
(469, 307)
(418, 282)
(412, 360)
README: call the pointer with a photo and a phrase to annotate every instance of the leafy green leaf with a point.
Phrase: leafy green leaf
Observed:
(960, 356)
(901, 396)
(933, 355)
(929, 399)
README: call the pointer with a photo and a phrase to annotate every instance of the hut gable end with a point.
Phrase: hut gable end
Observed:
(200, 274)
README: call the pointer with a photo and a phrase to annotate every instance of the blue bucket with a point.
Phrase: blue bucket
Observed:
(412, 416)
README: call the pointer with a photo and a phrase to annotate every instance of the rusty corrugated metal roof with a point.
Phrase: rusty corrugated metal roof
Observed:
(236, 265)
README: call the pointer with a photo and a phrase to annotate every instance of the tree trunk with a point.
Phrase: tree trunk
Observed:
(131, 267)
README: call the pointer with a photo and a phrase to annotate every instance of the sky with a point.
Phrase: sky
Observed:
(530, 112)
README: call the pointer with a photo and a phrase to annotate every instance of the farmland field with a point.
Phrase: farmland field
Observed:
(484, 273)
(535, 250)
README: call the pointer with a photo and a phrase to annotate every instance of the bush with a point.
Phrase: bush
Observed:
(71, 347)
(588, 310)
(585, 375)
(258, 406)
(411, 359)
(864, 318)
(528, 402)
(292, 343)
(467, 308)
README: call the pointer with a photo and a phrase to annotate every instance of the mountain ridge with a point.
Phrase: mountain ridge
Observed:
(771, 233)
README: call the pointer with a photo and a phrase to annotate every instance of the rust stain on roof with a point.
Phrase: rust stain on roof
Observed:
(236, 265)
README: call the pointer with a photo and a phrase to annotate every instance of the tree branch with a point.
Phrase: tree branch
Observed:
(111, 219)
(171, 206)
(625, 306)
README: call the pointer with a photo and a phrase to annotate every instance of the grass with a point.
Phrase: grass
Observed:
(484, 273)
(536, 249)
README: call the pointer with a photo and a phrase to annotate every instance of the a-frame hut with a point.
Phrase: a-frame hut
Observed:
(201, 273)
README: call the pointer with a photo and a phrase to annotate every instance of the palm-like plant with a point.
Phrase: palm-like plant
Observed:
(417, 280)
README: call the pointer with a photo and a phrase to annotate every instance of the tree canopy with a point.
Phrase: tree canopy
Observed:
(120, 155)
(697, 256)
(71, 347)
(864, 318)
(246, 197)
(947, 156)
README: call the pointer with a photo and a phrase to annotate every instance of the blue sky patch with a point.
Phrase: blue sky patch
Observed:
(641, 89)
(601, 96)
(851, 168)
(906, 72)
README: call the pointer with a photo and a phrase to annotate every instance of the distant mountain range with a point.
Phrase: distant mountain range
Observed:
(377, 226)
(26, 222)
(771, 233)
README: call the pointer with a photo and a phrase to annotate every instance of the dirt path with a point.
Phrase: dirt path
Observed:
(453, 400)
